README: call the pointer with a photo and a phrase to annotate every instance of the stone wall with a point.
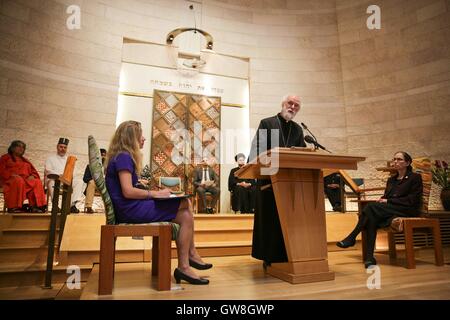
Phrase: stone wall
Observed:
(396, 80)
(293, 48)
(60, 82)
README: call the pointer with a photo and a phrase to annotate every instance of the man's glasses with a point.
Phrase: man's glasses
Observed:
(293, 104)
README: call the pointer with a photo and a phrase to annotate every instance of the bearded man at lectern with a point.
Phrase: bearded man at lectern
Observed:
(268, 243)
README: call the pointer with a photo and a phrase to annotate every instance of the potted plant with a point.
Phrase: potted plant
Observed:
(145, 179)
(441, 176)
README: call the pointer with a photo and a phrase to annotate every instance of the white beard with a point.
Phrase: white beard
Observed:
(287, 116)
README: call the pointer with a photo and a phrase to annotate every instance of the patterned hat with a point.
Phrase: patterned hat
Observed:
(63, 141)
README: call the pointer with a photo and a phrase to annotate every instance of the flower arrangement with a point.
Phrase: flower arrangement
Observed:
(144, 179)
(146, 173)
(441, 174)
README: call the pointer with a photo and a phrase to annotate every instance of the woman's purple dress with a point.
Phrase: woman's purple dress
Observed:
(135, 210)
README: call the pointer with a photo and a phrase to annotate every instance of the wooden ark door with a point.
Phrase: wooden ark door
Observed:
(185, 127)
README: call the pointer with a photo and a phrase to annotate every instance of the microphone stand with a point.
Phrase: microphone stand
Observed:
(316, 147)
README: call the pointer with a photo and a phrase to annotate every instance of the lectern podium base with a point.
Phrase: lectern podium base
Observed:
(297, 183)
(301, 272)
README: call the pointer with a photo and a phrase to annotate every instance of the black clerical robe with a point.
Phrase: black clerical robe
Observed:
(243, 199)
(291, 134)
(268, 242)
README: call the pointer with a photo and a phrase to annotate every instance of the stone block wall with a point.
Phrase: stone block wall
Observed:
(364, 92)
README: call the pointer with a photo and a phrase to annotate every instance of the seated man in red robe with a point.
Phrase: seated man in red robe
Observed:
(20, 180)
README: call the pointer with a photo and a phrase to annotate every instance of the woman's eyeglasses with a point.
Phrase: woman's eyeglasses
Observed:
(398, 159)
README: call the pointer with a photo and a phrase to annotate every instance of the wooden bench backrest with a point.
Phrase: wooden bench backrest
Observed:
(423, 166)
(67, 175)
(95, 165)
(349, 181)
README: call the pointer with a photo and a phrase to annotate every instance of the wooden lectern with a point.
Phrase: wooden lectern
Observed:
(299, 195)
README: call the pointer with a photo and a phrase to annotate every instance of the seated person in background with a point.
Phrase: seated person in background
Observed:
(243, 190)
(133, 205)
(332, 186)
(21, 180)
(402, 198)
(205, 180)
(55, 164)
(90, 185)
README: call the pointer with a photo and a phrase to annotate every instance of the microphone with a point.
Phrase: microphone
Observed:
(311, 140)
(306, 128)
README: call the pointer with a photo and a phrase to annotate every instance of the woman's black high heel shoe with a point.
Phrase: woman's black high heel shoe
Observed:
(199, 266)
(346, 243)
(178, 275)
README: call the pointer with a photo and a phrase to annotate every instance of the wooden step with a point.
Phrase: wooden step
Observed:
(5, 221)
(31, 292)
(223, 220)
(220, 235)
(221, 227)
(218, 248)
(36, 236)
(207, 249)
(223, 216)
(225, 251)
(218, 244)
(30, 221)
(23, 254)
(90, 257)
(228, 248)
(23, 274)
(21, 245)
(23, 267)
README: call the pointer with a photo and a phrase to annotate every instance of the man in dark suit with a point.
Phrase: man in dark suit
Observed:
(206, 180)
(332, 186)
(268, 242)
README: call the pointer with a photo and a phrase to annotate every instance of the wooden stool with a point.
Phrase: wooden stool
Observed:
(407, 226)
(161, 252)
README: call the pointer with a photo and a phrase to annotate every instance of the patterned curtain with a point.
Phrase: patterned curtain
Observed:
(185, 128)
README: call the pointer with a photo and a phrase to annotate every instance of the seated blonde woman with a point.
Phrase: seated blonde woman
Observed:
(134, 205)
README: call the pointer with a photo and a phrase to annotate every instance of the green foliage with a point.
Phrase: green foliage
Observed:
(146, 173)
(441, 174)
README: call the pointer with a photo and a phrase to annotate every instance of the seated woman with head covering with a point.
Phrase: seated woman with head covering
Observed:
(242, 190)
(21, 181)
(402, 197)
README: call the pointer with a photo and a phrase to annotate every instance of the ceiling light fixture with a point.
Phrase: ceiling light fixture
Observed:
(174, 33)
